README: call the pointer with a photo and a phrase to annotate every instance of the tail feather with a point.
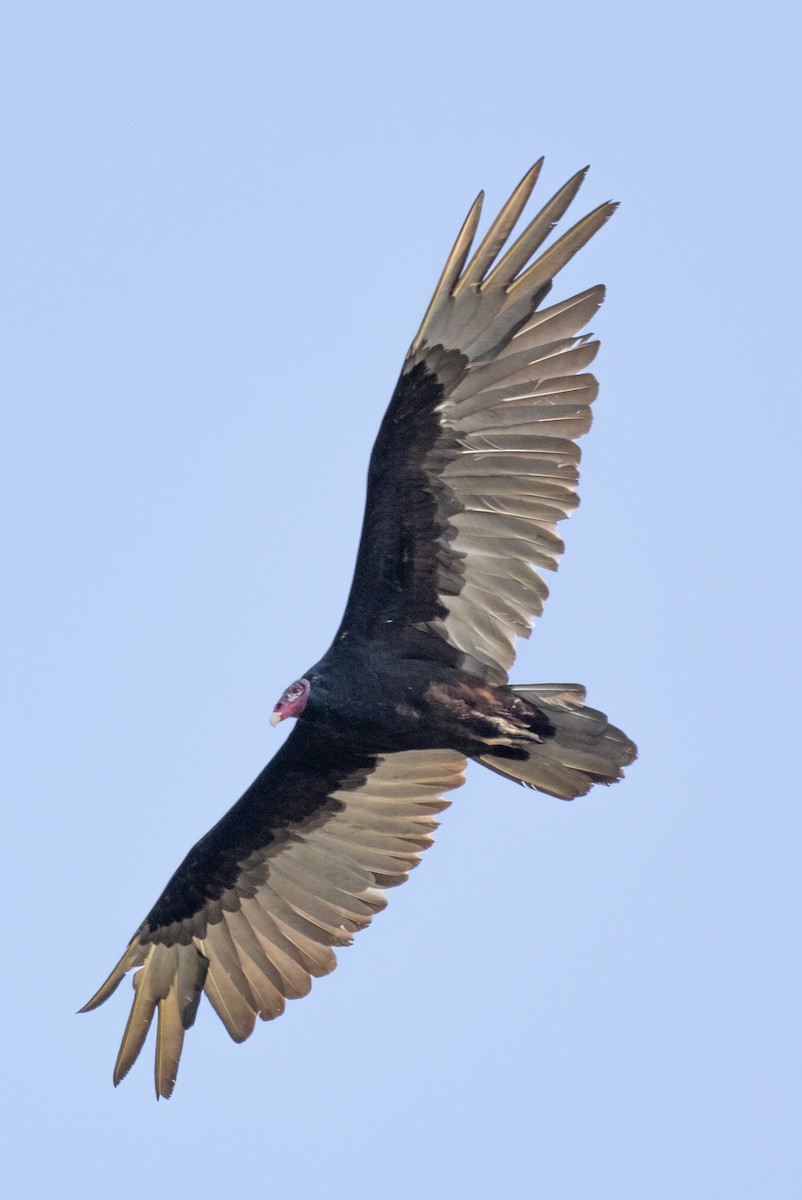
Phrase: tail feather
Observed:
(585, 748)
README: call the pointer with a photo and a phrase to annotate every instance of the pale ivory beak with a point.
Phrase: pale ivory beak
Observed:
(274, 718)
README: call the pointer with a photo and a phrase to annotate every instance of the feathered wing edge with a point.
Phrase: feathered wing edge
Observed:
(512, 418)
(477, 310)
(263, 940)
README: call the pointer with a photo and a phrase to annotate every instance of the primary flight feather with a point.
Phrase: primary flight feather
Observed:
(474, 464)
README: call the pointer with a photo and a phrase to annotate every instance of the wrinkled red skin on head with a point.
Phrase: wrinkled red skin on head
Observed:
(290, 705)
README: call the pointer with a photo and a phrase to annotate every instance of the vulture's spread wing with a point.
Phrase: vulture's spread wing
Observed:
(297, 866)
(476, 459)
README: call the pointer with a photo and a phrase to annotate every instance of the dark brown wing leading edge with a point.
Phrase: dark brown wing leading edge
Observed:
(476, 459)
(296, 867)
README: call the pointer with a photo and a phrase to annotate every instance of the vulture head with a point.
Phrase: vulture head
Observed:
(292, 701)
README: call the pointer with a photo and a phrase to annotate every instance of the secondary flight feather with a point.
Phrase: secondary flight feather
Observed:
(474, 465)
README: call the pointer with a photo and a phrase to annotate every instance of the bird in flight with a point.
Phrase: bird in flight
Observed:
(474, 464)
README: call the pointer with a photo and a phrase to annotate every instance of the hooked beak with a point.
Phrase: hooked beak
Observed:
(275, 717)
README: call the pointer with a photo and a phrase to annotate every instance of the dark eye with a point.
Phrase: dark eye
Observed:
(292, 693)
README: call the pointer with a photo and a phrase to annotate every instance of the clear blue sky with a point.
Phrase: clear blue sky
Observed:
(222, 224)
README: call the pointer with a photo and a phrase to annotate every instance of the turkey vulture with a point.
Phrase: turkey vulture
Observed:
(474, 464)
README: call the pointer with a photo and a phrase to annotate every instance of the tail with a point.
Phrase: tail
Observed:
(584, 748)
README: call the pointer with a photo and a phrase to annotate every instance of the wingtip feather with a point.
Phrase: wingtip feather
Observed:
(564, 249)
(134, 957)
(499, 231)
(454, 264)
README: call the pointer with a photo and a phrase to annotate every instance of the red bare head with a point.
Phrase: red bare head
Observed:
(292, 702)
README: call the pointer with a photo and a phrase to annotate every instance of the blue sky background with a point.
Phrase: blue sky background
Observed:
(222, 226)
